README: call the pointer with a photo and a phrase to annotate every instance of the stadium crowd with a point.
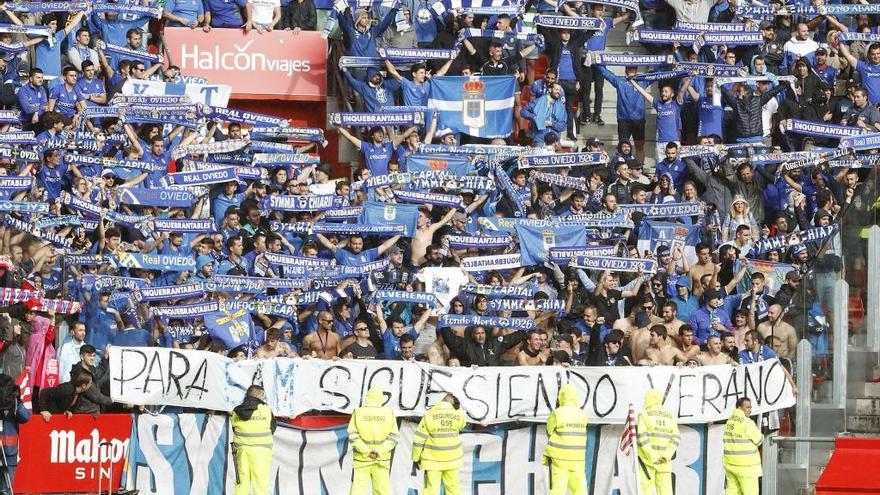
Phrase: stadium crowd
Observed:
(401, 263)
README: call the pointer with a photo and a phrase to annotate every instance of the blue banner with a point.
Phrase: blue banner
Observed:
(456, 165)
(477, 106)
(163, 197)
(202, 177)
(377, 213)
(302, 203)
(534, 242)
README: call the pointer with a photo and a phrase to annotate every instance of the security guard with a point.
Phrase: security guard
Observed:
(372, 431)
(252, 428)
(658, 440)
(437, 446)
(742, 462)
(567, 444)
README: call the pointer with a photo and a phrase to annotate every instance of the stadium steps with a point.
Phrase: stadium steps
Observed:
(608, 133)
(863, 411)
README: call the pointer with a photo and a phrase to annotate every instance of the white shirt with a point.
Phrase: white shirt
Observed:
(800, 48)
(263, 11)
(767, 112)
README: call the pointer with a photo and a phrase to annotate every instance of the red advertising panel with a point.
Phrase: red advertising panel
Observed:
(279, 65)
(69, 455)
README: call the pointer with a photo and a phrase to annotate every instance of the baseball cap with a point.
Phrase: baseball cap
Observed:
(594, 142)
(767, 25)
(108, 172)
(393, 250)
(662, 250)
(203, 261)
(710, 294)
(613, 336)
(444, 132)
(459, 217)
(793, 275)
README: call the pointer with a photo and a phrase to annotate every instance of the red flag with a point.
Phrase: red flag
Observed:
(628, 437)
(24, 383)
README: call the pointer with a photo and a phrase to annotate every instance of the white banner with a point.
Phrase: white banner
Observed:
(157, 376)
(188, 454)
(215, 95)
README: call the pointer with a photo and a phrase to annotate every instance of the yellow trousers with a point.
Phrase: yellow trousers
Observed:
(449, 478)
(375, 474)
(565, 479)
(651, 482)
(740, 485)
(254, 466)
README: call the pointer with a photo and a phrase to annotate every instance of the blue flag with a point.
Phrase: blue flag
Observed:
(233, 328)
(457, 165)
(534, 242)
(377, 213)
(477, 106)
(654, 234)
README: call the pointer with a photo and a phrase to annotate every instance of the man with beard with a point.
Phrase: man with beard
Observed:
(475, 349)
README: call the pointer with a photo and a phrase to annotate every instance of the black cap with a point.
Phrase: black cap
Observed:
(710, 294)
(768, 25)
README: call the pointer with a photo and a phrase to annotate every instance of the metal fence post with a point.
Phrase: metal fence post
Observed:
(840, 311)
(770, 463)
(804, 400)
(872, 317)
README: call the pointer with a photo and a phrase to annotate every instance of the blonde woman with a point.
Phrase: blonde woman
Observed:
(739, 215)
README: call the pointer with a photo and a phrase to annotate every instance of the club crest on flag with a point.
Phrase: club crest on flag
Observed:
(549, 239)
(389, 213)
(474, 102)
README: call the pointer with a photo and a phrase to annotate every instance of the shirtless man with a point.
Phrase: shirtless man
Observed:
(714, 353)
(686, 341)
(703, 266)
(324, 342)
(661, 350)
(424, 235)
(780, 330)
(273, 347)
(670, 318)
(534, 353)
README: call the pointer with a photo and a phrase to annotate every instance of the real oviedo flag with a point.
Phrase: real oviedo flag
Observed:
(477, 106)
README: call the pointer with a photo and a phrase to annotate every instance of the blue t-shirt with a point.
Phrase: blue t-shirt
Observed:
(870, 80)
(391, 343)
(48, 57)
(415, 94)
(596, 42)
(65, 99)
(566, 67)
(225, 13)
(132, 337)
(52, 179)
(747, 357)
(668, 120)
(675, 169)
(346, 257)
(94, 87)
(710, 116)
(377, 157)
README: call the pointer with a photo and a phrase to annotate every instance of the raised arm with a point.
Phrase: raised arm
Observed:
(643, 91)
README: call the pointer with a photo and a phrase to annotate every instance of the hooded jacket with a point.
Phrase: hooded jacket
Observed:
(246, 409)
(469, 352)
(748, 110)
(567, 429)
(372, 428)
(658, 436)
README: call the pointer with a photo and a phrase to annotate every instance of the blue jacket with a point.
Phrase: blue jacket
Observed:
(375, 97)
(538, 108)
(702, 321)
(11, 420)
(630, 103)
(364, 44)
